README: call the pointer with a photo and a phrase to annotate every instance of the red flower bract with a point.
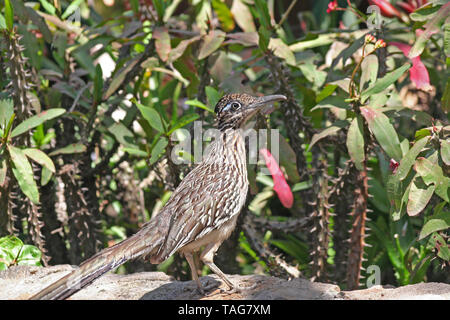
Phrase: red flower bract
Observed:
(411, 5)
(280, 185)
(418, 72)
(393, 165)
(387, 9)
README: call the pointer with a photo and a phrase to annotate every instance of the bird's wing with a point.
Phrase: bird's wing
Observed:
(200, 205)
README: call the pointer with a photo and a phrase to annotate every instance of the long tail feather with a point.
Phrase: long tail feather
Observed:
(143, 243)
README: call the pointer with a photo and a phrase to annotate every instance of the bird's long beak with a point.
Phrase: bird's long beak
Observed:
(264, 101)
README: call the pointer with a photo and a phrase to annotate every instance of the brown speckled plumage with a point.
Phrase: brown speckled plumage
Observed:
(201, 212)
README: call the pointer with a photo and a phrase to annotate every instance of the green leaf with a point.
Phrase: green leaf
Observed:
(36, 120)
(26, 13)
(331, 130)
(447, 37)
(369, 71)
(383, 83)
(29, 256)
(263, 13)
(211, 42)
(293, 247)
(98, 84)
(424, 13)
(332, 102)
(432, 173)
(9, 15)
(410, 158)
(312, 74)
(162, 42)
(422, 133)
(160, 7)
(288, 160)
(3, 170)
(378, 195)
(213, 96)
(170, 9)
(281, 50)
(224, 15)
(446, 97)
(73, 6)
(349, 51)
(136, 152)
(327, 91)
(119, 77)
(313, 42)
(2, 26)
(7, 131)
(7, 107)
(123, 135)
(438, 242)
(152, 116)
(10, 247)
(46, 175)
(69, 149)
(430, 28)
(184, 120)
(48, 7)
(23, 172)
(243, 16)
(419, 196)
(264, 38)
(382, 233)
(177, 52)
(355, 142)
(40, 157)
(199, 104)
(304, 185)
(445, 151)
(398, 193)
(383, 131)
(158, 149)
(436, 223)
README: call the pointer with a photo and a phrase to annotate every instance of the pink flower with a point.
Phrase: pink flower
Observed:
(332, 6)
(280, 185)
(418, 72)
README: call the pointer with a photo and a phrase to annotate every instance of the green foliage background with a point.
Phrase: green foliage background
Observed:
(91, 97)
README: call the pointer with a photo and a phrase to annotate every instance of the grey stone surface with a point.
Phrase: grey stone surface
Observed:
(21, 282)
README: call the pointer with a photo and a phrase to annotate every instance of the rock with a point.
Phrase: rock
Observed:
(420, 291)
(21, 282)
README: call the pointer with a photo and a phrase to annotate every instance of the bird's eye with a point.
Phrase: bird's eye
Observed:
(235, 106)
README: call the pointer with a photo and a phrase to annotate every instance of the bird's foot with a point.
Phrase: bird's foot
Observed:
(235, 288)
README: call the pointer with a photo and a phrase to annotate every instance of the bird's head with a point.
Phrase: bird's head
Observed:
(234, 110)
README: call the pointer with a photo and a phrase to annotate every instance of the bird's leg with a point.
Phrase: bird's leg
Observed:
(207, 257)
(190, 259)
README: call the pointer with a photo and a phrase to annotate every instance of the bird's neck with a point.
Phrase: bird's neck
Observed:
(228, 148)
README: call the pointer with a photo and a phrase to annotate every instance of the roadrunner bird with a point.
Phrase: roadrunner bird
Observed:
(201, 212)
